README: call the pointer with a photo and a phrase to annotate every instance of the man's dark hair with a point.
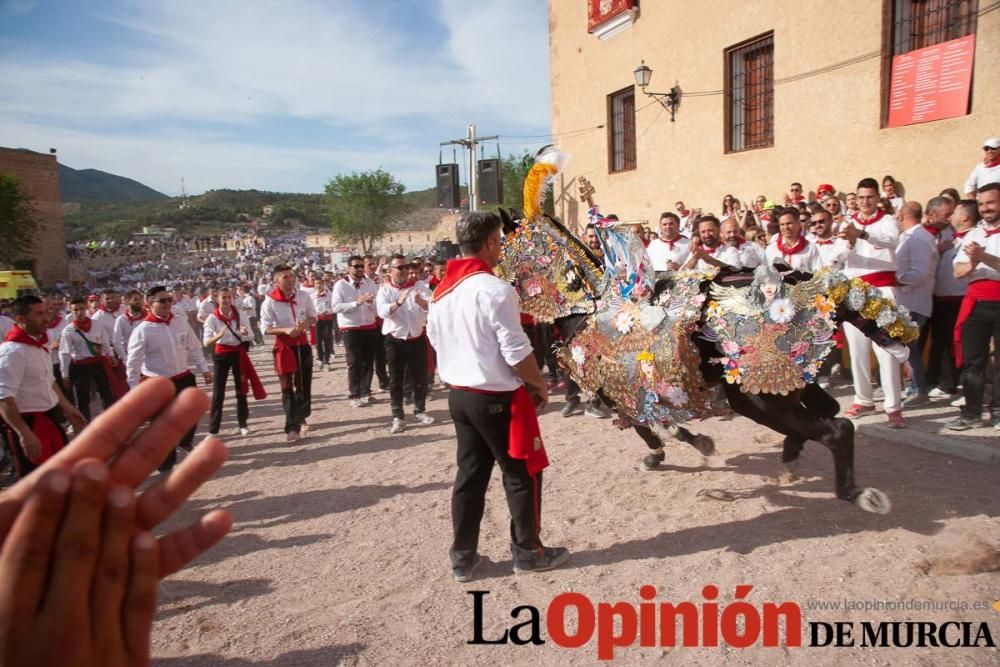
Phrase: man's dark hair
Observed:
(867, 183)
(669, 214)
(474, 228)
(786, 210)
(989, 187)
(368, 256)
(354, 258)
(155, 289)
(971, 208)
(798, 184)
(709, 218)
(952, 193)
(397, 256)
(280, 268)
(109, 290)
(611, 216)
(590, 226)
(22, 305)
(76, 300)
(440, 262)
(825, 213)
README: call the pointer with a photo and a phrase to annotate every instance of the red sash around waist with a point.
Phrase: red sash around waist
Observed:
(248, 374)
(286, 360)
(50, 435)
(525, 435)
(116, 381)
(979, 290)
(325, 317)
(880, 278)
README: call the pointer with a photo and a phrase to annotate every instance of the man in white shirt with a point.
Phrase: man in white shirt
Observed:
(135, 312)
(6, 324)
(709, 250)
(55, 302)
(85, 358)
(163, 345)
(942, 373)
(207, 304)
(790, 246)
(916, 264)
(31, 403)
(108, 311)
(247, 304)
(684, 219)
(979, 318)
(226, 332)
(402, 302)
(873, 235)
(374, 271)
(669, 251)
(287, 314)
(832, 250)
(987, 171)
(354, 303)
(486, 357)
(322, 299)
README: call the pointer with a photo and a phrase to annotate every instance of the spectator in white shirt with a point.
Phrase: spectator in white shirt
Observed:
(890, 192)
(322, 299)
(670, 249)
(790, 247)
(987, 171)
(247, 304)
(354, 304)
(832, 250)
(709, 250)
(85, 358)
(227, 331)
(135, 312)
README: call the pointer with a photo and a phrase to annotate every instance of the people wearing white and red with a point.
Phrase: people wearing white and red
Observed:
(987, 171)
(105, 317)
(56, 305)
(287, 314)
(874, 235)
(979, 317)
(685, 220)
(790, 246)
(942, 371)
(486, 357)
(354, 303)
(916, 263)
(322, 299)
(6, 324)
(832, 249)
(31, 403)
(668, 252)
(373, 268)
(709, 251)
(402, 302)
(135, 312)
(227, 332)
(247, 303)
(85, 358)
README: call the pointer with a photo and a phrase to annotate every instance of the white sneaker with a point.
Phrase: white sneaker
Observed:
(398, 426)
(958, 402)
(936, 392)
(356, 403)
(424, 418)
(244, 431)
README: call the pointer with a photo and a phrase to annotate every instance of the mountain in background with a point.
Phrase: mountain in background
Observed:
(92, 185)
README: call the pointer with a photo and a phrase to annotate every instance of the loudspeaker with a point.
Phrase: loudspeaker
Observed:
(490, 181)
(448, 194)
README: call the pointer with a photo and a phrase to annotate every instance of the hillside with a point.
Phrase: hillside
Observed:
(93, 185)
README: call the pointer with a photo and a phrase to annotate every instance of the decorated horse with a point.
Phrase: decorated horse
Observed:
(664, 352)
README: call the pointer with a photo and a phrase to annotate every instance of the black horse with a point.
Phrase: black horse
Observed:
(806, 414)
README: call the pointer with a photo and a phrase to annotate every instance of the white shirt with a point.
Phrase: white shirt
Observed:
(105, 321)
(807, 260)
(726, 254)
(661, 252)
(205, 309)
(751, 255)
(247, 305)
(189, 305)
(476, 331)
(350, 313)
(406, 321)
(73, 347)
(992, 246)
(6, 324)
(832, 252)
(877, 252)
(323, 303)
(122, 333)
(213, 325)
(945, 282)
(157, 349)
(282, 315)
(980, 176)
(26, 376)
(55, 335)
(916, 264)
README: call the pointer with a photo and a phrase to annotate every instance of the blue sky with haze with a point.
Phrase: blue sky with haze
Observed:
(269, 95)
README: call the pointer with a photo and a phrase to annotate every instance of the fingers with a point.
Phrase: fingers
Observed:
(152, 446)
(24, 559)
(78, 545)
(181, 547)
(112, 575)
(163, 498)
(140, 599)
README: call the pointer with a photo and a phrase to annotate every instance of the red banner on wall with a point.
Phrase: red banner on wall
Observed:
(932, 83)
(599, 11)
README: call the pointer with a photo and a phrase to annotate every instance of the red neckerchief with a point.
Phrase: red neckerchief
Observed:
(799, 246)
(824, 241)
(458, 270)
(105, 309)
(226, 320)
(992, 231)
(959, 235)
(56, 321)
(408, 283)
(433, 282)
(714, 250)
(152, 317)
(82, 326)
(932, 230)
(879, 214)
(19, 335)
(988, 164)
(645, 243)
(278, 295)
(132, 320)
(672, 243)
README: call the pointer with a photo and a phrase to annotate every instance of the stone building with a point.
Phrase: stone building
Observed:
(417, 232)
(39, 177)
(770, 92)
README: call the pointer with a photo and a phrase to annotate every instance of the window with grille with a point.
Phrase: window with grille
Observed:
(917, 24)
(750, 94)
(621, 130)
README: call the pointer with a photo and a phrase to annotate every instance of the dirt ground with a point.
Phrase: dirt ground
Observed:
(339, 551)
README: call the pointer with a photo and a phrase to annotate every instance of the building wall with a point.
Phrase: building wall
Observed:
(39, 176)
(827, 127)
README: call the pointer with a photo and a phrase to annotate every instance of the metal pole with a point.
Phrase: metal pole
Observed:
(473, 174)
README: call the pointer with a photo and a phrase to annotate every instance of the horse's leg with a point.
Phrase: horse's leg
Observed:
(699, 441)
(821, 405)
(655, 457)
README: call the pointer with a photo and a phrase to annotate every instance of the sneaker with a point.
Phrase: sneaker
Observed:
(322, 366)
(913, 400)
(958, 402)
(398, 426)
(652, 460)
(244, 431)
(549, 559)
(292, 436)
(963, 423)
(896, 419)
(356, 403)
(878, 394)
(856, 410)
(424, 418)
(823, 383)
(937, 392)
(597, 412)
(570, 407)
(462, 573)
(369, 399)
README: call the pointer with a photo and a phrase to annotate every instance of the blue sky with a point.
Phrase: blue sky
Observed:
(270, 95)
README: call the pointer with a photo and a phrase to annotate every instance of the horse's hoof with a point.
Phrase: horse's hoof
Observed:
(872, 500)
(703, 444)
(651, 462)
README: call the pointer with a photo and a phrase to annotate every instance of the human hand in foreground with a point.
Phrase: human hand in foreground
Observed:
(117, 437)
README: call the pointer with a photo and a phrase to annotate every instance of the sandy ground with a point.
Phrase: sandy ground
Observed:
(339, 552)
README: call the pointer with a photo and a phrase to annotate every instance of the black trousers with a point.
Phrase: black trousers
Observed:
(941, 370)
(180, 384)
(324, 340)
(84, 376)
(407, 359)
(982, 325)
(296, 391)
(22, 465)
(258, 339)
(482, 423)
(380, 366)
(222, 365)
(359, 346)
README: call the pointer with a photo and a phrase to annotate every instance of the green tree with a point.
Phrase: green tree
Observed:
(363, 206)
(18, 221)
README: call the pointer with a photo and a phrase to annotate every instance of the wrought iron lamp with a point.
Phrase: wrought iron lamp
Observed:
(670, 101)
